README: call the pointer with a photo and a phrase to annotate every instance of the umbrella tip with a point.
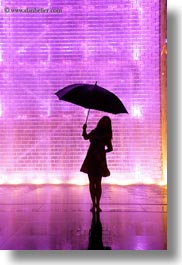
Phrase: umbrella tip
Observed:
(95, 83)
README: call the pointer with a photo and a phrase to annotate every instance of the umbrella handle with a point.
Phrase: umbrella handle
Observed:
(87, 116)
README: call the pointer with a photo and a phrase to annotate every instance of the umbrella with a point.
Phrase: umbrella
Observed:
(92, 97)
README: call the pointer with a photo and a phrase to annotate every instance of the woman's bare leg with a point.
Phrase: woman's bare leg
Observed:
(92, 189)
(98, 192)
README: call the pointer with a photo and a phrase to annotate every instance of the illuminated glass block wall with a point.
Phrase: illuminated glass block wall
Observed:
(113, 42)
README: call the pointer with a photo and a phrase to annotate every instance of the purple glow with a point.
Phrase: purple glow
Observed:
(115, 43)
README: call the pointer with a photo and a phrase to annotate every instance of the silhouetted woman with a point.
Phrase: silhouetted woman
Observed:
(95, 164)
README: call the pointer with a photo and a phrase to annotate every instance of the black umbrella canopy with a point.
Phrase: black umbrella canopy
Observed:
(92, 97)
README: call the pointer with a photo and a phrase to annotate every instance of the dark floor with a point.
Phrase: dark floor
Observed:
(57, 217)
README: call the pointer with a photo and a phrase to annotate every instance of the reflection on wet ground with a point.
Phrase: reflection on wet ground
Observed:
(57, 217)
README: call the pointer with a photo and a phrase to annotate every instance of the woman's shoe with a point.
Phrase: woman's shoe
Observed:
(99, 209)
(92, 209)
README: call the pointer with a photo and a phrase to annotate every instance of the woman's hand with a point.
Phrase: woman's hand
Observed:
(84, 133)
(85, 126)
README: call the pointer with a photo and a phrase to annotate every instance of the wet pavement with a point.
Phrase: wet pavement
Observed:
(58, 217)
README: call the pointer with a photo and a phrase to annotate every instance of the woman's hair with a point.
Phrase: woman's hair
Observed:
(107, 129)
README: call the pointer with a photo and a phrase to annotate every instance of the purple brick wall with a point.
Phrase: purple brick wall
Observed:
(115, 43)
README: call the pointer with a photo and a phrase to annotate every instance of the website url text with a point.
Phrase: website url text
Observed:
(32, 10)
